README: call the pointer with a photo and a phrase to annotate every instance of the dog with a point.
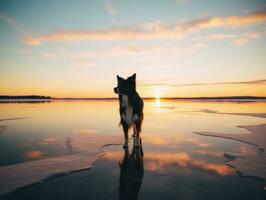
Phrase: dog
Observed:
(131, 107)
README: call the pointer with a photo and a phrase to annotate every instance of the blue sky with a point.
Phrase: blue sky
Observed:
(176, 47)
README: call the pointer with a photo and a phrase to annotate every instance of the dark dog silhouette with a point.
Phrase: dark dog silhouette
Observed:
(131, 173)
(131, 107)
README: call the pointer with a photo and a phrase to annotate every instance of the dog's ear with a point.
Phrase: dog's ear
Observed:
(133, 77)
(119, 79)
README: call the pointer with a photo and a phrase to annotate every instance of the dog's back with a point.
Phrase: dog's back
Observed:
(131, 109)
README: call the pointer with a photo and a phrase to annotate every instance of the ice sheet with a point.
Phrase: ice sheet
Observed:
(254, 166)
(262, 115)
(88, 148)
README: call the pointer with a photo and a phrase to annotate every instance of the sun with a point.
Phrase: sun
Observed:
(157, 94)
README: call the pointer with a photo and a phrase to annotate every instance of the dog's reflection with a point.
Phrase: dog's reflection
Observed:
(131, 173)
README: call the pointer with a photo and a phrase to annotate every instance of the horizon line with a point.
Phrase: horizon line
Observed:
(198, 97)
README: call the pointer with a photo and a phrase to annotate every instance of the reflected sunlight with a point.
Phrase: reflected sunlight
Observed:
(157, 103)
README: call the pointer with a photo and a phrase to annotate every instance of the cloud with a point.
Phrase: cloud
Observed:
(242, 40)
(216, 36)
(128, 50)
(161, 162)
(20, 28)
(170, 141)
(210, 153)
(109, 7)
(151, 30)
(48, 54)
(238, 39)
(167, 84)
(50, 140)
(33, 154)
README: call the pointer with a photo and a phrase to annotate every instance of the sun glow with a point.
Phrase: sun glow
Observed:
(157, 94)
(157, 102)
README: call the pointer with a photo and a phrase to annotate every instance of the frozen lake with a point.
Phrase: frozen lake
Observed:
(55, 138)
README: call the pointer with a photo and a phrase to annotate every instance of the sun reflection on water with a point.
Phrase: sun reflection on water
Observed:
(158, 102)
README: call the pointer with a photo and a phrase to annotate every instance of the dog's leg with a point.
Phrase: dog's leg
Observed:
(138, 129)
(134, 131)
(125, 128)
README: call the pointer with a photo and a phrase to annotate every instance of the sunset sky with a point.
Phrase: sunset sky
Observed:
(178, 48)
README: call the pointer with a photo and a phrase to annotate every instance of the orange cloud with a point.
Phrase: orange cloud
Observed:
(33, 154)
(157, 161)
(182, 159)
(158, 140)
(50, 140)
(151, 30)
(85, 132)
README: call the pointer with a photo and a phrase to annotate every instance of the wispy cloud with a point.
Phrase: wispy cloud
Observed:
(168, 84)
(246, 37)
(128, 50)
(238, 39)
(152, 30)
(48, 54)
(216, 36)
(14, 23)
(109, 7)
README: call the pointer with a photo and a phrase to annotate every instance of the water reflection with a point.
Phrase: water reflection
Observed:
(131, 173)
(178, 163)
(158, 103)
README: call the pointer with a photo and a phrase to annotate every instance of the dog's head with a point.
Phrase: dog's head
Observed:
(125, 86)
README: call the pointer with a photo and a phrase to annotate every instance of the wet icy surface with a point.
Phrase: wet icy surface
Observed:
(56, 138)
(87, 148)
(180, 178)
(248, 165)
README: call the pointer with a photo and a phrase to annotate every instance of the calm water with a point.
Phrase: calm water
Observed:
(174, 163)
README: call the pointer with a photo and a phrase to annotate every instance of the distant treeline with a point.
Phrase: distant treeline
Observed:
(24, 97)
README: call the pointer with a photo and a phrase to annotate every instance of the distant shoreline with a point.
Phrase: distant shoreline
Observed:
(49, 98)
(24, 97)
